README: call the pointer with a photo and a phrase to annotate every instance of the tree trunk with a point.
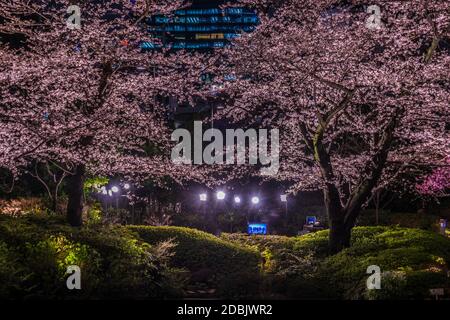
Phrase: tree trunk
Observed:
(377, 207)
(75, 193)
(343, 217)
(339, 237)
(340, 228)
(54, 202)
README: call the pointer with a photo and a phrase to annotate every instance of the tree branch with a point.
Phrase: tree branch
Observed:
(374, 168)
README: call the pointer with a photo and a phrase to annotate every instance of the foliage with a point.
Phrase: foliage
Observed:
(262, 242)
(95, 183)
(95, 213)
(114, 262)
(200, 251)
(22, 206)
(93, 96)
(158, 262)
(358, 106)
(414, 253)
(115, 215)
(11, 277)
(411, 260)
(289, 264)
(437, 183)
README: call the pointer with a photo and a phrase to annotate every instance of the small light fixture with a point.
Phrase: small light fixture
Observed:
(220, 195)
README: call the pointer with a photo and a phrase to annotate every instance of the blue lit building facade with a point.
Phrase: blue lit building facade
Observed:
(204, 25)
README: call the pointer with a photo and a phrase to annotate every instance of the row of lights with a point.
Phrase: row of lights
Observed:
(220, 195)
(114, 189)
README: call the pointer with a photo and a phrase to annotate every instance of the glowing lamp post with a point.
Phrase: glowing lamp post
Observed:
(283, 198)
(203, 197)
(255, 200)
(115, 189)
(220, 195)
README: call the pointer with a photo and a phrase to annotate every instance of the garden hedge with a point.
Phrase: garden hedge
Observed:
(35, 252)
(138, 262)
(412, 261)
(197, 250)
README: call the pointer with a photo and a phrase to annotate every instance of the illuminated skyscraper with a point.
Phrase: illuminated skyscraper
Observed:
(204, 25)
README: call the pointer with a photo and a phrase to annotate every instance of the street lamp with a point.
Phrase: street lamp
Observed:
(126, 186)
(220, 195)
(283, 198)
(237, 199)
(115, 189)
(203, 196)
(255, 201)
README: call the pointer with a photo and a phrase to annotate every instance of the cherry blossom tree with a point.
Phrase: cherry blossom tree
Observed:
(359, 91)
(437, 184)
(80, 94)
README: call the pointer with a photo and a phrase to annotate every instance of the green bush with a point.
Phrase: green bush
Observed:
(272, 242)
(95, 214)
(290, 264)
(200, 252)
(157, 262)
(403, 256)
(411, 260)
(114, 262)
(12, 275)
(48, 260)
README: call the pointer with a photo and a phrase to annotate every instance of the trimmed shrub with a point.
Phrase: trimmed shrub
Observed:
(289, 264)
(114, 262)
(272, 242)
(200, 251)
(402, 254)
(411, 261)
(142, 262)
